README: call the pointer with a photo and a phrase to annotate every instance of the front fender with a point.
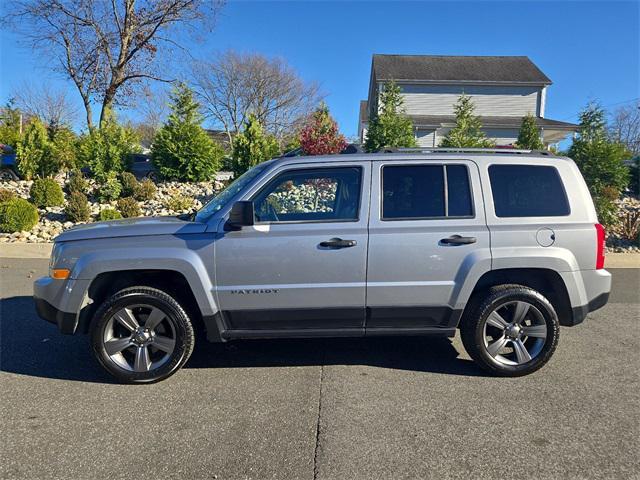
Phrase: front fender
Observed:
(185, 261)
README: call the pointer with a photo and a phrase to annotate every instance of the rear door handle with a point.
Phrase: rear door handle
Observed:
(338, 243)
(458, 240)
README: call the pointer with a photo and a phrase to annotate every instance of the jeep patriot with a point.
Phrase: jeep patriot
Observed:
(503, 245)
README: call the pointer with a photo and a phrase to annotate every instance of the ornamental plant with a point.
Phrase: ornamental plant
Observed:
(129, 183)
(77, 183)
(320, 136)
(252, 146)
(467, 132)
(128, 207)
(178, 203)
(6, 195)
(46, 192)
(109, 214)
(17, 215)
(529, 135)
(108, 148)
(77, 208)
(111, 189)
(35, 153)
(600, 160)
(144, 190)
(390, 127)
(182, 150)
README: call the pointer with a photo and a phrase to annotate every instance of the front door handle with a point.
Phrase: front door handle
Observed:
(458, 240)
(338, 243)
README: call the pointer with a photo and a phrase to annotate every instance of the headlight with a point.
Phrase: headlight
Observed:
(59, 266)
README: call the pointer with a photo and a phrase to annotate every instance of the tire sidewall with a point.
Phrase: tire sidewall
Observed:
(175, 314)
(551, 320)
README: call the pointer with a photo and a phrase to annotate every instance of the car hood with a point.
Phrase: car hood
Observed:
(132, 227)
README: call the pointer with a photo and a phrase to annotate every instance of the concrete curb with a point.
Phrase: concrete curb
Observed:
(43, 250)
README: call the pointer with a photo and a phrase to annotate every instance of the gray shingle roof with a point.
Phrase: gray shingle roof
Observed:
(445, 68)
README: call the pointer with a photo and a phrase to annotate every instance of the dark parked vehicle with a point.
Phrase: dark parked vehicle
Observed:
(8, 168)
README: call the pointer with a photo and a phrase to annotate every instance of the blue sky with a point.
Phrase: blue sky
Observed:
(590, 50)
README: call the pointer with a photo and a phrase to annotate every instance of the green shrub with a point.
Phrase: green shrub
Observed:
(128, 207)
(178, 203)
(109, 214)
(110, 189)
(77, 183)
(35, 153)
(46, 192)
(77, 208)
(17, 215)
(129, 184)
(6, 195)
(181, 149)
(145, 190)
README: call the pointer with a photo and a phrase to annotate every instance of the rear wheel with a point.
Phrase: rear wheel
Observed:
(513, 332)
(141, 335)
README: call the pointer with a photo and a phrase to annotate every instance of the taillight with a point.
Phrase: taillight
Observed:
(600, 246)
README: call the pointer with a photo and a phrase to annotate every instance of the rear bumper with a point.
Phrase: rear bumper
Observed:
(597, 287)
(580, 313)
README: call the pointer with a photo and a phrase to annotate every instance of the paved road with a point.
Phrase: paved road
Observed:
(326, 409)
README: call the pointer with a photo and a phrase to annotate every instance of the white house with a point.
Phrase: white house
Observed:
(503, 89)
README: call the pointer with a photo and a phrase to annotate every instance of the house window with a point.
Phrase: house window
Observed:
(412, 192)
(527, 191)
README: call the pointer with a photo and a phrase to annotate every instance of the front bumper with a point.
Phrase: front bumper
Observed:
(66, 322)
(60, 301)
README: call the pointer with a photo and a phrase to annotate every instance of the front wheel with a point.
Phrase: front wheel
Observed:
(513, 332)
(141, 335)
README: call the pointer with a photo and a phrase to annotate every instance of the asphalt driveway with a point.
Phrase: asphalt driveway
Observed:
(303, 409)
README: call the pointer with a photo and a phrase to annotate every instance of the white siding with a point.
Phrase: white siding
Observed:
(502, 136)
(494, 101)
(425, 138)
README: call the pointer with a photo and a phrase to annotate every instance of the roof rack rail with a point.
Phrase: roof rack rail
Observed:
(464, 150)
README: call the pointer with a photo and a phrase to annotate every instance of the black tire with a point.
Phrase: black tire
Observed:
(472, 329)
(178, 327)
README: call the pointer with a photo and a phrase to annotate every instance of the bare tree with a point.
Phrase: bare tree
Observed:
(625, 126)
(51, 105)
(234, 85)
(107, 47)
(152, 108)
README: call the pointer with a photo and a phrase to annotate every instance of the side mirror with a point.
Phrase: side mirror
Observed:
(241, 215)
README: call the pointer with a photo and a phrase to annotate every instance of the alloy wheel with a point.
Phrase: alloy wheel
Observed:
(139, 338)
(514, 333)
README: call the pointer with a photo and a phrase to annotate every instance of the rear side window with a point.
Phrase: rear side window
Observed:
(527, 191)
(425, 191)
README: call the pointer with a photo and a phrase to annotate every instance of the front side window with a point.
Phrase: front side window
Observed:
(314, 195)
(527, 191)
(425, 191)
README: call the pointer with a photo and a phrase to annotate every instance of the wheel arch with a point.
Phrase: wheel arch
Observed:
(546, 281)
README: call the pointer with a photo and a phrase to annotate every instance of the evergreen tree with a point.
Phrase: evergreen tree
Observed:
(320, 136)
(182, 150)
(106, 149)
(529, 135)
(600, 161)
(389, 127)
(10, 118)
(34, 152)
(468, 130)
(252, 147)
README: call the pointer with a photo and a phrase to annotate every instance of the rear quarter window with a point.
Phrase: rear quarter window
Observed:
(528, 191)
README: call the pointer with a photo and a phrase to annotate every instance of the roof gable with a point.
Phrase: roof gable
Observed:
(464, 69)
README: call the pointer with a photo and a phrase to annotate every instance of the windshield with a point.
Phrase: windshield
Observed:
(220, 200)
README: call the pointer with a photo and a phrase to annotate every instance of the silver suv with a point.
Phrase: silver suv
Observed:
(503, 245)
